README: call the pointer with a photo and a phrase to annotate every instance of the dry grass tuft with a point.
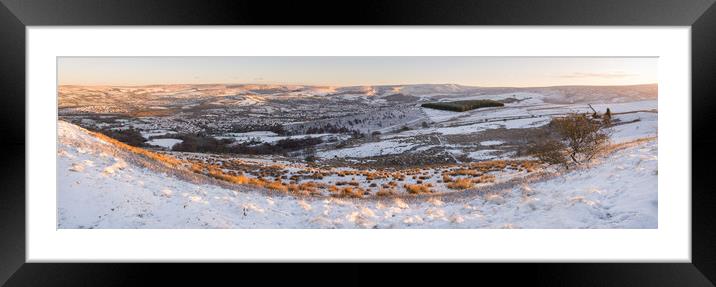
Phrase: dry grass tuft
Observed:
(277, 185)
(417, 188)
(386, 192)
(485, 178)
(447, 178)
(461, 183)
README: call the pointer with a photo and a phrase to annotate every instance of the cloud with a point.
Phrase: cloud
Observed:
(597, 75)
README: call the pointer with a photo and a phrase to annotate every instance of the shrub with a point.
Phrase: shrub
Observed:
(277, 185)
(490, 165)
(292, 188)
(310, 186)
(463, 171)
(461, 183)
(484, 178)
(417, 188)
(582, 136)
(351, 183)
(447, 178)
(385, 192)
(575, 138)
(333, 189)
(348, 192)
(549, 150)
(237, 179)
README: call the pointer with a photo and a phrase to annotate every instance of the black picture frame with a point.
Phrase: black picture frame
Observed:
(15, 15)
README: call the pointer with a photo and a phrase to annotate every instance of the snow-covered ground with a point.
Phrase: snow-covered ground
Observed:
(485, 154)
(370, 149)
(638, 125)
(490, 143)
(98, 188)
(165, 143)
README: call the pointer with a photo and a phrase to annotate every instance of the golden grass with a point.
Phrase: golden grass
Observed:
(347, 191)
(485, 178)
(311, 187)
(277, 185)
(461, 183)
(497, 165)
(164, 159)
(417, 188)
(270, 177)
(447, 178)
(490, 165)
(386, 192)
(333, 189)
(464, 171)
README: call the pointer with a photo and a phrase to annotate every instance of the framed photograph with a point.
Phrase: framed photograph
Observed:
(425, 132)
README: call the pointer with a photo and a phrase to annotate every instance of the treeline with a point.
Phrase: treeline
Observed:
(327, 129)
(129, 136)
(207, 144)
(462, 106)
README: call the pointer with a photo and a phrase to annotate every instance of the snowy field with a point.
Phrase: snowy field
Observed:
(165, 143)
(637, 120)
(98, 189)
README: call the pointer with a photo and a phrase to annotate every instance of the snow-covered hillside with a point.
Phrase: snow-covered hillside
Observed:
(117, 98)
(98, 188)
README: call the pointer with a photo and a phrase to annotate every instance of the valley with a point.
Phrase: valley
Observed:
(359, 142)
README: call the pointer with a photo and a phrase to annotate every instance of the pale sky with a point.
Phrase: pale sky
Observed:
(350, 71)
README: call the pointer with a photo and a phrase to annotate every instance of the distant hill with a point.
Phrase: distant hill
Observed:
(115, 98)
(598, 94)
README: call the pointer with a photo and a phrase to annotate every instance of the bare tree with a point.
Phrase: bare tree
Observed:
(549, 150)
(575, 137)
(582, 136)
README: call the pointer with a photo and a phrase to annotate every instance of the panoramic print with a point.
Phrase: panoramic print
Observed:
(357, 142)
